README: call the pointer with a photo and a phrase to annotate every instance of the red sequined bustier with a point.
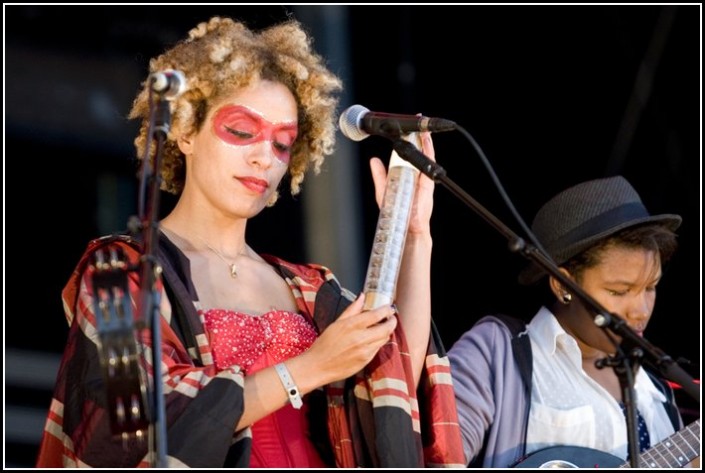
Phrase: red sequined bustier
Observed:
(279, 440)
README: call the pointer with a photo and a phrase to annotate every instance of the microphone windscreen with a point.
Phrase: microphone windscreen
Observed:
(350, 121)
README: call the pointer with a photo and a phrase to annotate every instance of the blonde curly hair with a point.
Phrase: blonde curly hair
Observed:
(221, 56)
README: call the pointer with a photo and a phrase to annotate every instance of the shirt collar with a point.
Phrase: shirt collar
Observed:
(547, 332)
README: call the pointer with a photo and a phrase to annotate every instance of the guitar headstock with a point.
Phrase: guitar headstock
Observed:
(118, 347)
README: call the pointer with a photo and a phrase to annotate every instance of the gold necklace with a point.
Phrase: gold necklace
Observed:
(232, 266)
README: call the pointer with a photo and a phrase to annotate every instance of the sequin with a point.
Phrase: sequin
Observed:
(242, 339)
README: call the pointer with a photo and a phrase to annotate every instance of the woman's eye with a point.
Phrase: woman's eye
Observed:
(238, 133)
(282, 147)
(616, 293)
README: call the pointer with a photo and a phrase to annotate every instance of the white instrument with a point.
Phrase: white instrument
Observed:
(390, 235)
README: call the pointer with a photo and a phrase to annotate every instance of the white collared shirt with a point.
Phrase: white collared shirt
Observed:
(570, 408)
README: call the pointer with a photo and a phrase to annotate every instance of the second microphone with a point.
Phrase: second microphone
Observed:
(358, 122)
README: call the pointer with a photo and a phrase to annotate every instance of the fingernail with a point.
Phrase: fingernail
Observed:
(394, 308)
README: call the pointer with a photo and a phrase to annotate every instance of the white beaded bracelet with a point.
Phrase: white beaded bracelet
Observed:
(289, 386)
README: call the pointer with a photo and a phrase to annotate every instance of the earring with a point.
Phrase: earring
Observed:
(567, 297)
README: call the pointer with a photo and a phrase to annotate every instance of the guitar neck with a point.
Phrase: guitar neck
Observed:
(675, 451)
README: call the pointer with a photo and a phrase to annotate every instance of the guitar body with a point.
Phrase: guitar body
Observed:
(675, 451)
(570, 457)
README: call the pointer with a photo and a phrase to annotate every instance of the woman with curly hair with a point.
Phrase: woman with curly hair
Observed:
(265, 363)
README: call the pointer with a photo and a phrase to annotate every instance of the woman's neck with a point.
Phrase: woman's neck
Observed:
(198, 229)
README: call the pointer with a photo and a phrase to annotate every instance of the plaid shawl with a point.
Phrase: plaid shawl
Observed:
(373, 419)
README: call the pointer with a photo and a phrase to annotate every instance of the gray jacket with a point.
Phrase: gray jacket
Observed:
(488, 387)
(491, 366)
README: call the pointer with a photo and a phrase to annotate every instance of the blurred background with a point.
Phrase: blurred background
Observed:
(553, 95)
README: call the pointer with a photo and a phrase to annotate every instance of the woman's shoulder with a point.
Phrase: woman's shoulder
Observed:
(508, 325)
(490, 334)
(310, 277)
(308, 271)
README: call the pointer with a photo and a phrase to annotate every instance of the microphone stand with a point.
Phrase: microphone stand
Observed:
(636, 347)
(151, 270)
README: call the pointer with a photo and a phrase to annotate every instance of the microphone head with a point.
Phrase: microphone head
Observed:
(350, 122)
(169, 83)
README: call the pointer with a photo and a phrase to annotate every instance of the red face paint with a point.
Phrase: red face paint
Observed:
(241, 126)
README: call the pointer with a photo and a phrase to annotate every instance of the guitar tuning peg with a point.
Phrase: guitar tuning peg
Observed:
(125, 360)
(113, 258)
(112, 361)
(120, 410)
(135, 409)
(100, 263)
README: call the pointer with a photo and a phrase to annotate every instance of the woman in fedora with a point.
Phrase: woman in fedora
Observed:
(523, 388)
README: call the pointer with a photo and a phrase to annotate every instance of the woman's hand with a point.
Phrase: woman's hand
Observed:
(343, 349)
(348, 344)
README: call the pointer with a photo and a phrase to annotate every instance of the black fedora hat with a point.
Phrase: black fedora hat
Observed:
(577, 218)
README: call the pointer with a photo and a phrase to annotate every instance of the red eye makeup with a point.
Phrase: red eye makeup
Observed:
(241, 126)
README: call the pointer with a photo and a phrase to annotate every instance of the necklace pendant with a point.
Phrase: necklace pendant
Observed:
(233, 271)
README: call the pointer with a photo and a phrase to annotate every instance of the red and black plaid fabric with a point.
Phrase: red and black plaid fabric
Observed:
(373, 419)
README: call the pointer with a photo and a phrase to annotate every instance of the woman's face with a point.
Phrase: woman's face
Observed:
(238, 158)
(624, 283)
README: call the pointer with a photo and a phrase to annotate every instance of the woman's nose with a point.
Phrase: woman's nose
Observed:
(641, 306)
(261, 154)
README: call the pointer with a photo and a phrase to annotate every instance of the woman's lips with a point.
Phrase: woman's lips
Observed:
(254, 184)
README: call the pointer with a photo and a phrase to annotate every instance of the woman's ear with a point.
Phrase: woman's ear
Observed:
(561, 293)
(185, 143)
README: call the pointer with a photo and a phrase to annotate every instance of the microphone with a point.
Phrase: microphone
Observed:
(170, 83)
(357, 123)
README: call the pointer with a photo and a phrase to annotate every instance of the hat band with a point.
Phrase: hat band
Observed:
(599, 224)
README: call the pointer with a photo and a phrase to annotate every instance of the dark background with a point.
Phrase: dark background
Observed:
(554, 95)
